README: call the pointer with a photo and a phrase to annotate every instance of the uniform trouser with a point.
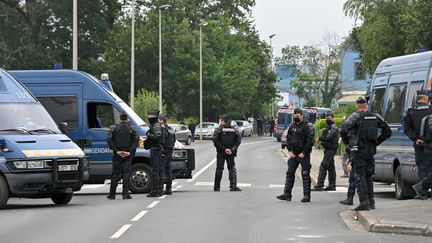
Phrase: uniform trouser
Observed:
(165, 172)
(345, 160)
(352, 184)
(121, 169)
(220, 161)
(364, 167)
(293, 164)
(426, 182)
(155, 164)
(327, 164)
(421, 161)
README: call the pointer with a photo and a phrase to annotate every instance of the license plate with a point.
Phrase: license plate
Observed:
(67, 167)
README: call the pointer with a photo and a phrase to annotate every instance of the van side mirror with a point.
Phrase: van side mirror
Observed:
(63, 127)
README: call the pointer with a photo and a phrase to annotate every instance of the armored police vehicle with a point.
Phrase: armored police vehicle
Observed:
(36, 159)
(90, 107)
(393, 90)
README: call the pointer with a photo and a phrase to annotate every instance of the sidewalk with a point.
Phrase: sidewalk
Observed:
(411, 217)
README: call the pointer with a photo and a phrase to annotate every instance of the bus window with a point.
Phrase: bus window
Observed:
(413, 92)
(377, 99)
(395, 103)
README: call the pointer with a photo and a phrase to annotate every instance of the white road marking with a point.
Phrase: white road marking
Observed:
(120, 231)
(276, 186)
(153, 204)
(244, 184)
(163, 197)
(178, 187)
(92, 186)
(139, 216)
(206, 183)
(202, 170)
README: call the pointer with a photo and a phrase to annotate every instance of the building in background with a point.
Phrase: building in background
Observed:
(288, 96)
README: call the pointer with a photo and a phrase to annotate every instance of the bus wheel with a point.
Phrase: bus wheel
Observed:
(403, 190)
(4, 192)
(62, 198)
(140, 178)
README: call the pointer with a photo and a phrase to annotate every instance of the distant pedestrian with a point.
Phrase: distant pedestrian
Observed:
(259, 126)
(330, 141)
(300, 140)
(155, 141)
(192, 128)
(165, 172)
(226, 139)
(360, 134)
(122, 140)
(272, 123)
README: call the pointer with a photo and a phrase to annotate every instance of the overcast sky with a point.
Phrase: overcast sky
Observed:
(299, 22)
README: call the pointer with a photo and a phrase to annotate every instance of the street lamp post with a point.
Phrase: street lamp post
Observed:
(132, 85)
(160, 54)
(75, 36)
(202, 24)
(271, 66)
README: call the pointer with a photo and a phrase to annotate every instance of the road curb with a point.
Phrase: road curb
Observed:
(314, 177)
(374, 225)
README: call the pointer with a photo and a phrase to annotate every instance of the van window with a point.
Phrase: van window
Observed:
(2, 85)
(396, 103)
(56, 107)
(413, 92)
(378, 99)
(102, 115)
(281, 118)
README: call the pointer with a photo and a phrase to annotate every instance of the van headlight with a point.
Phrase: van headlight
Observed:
(179, 154)
(33, 164)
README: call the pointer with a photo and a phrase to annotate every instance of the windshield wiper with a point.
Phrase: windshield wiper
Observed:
(43, 130)
(16, 130)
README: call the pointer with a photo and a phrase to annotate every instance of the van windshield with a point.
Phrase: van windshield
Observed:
(132, 114)
(26, 117)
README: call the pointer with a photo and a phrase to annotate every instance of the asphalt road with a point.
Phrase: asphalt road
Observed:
(194, 213)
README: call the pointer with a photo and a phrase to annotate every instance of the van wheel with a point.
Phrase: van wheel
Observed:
(140, 178)
(403, 190)
(188, 140)
(61, 198)
(4, 192)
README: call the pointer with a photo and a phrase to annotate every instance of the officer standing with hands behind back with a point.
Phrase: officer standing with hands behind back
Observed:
(123, 141)
(300, 139)
(226, 139)
(360, 134)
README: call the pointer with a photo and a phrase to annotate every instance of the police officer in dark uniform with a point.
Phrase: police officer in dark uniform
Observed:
(123, 141)
(155, 141)
(425, 138)
(330, 141)
(412, 121)
(226, 139)
(165, 172)
(360, 133)
(300, 139)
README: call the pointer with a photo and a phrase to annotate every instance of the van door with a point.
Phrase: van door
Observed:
(99, 116)
(68, 99)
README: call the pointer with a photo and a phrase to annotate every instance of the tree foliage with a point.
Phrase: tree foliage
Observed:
(35, 34)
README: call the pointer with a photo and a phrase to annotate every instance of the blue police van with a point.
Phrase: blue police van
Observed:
(36, 159)
(89, 106)
(392, 91)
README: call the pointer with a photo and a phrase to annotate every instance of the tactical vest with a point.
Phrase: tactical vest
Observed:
(227, 136)
(418, 112)
(169, 138)
(298, 133)
(123, 135)
(367, 130)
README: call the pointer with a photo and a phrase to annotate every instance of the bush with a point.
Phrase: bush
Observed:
(146, 101)
(345, 110)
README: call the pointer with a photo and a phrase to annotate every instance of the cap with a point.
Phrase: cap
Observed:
(361, 100)
(423, 92)
(123, 116)
(298, 111)
(153, 114)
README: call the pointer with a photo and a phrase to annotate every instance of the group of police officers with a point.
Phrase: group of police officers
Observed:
(359, 133)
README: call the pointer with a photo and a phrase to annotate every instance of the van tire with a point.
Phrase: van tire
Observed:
(140, 178)
(403, 189)
(4, 192)
(61, 198)
(188, 140)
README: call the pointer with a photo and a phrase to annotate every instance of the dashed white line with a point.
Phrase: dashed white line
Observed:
(139, 216)
(153, 204)
(163, 197)
(205, 183)
(121, 231)
(244, 184)
(276, 186)
(92, 186)
(202, 170)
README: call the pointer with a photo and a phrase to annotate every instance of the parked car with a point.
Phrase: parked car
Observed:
(283, 139)
(207, 130)
(182, 132)
(245, 128)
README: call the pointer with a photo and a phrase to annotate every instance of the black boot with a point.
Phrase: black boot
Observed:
(364, 206)
(289, 183)
(306, 186)
(153, 194)
(284, 197)
(217, 181)
(330, 188)
(371, 202)
(127, 196)
(168, 190)
(111, 196)
(235, 189)
(418, 188)
(317, 189)
(321, 179)
(348, 200)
